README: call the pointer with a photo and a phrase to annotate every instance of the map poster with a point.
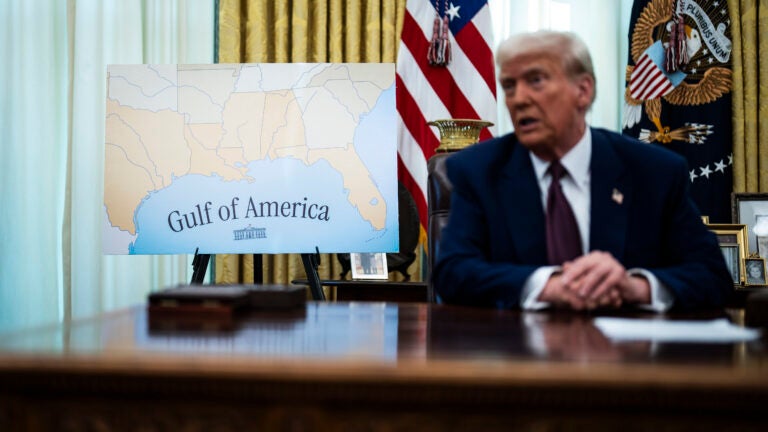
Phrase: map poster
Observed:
(250, 158)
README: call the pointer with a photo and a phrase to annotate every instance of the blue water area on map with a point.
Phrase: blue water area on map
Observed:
(207, 202)
(375, 141)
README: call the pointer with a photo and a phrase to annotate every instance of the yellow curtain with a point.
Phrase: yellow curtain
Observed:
(750, 86)
(312, 31)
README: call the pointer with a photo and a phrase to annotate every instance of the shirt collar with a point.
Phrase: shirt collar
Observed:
(576, 161)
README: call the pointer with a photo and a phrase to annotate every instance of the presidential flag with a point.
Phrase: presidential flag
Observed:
(678, 91)
(445, 70)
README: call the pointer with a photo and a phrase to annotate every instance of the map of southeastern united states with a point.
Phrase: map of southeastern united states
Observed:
(310, 123)
(139, 148)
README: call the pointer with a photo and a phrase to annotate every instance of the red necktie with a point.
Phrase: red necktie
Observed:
(563, 239)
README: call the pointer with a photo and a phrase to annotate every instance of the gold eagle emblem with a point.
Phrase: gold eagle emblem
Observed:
(704, 77)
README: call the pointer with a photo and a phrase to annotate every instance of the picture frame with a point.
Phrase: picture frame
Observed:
(733, 262)
(755, 272)
(749, 209)
(732, 239)
(368, 265)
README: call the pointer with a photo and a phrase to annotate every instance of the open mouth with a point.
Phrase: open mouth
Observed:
(526, 122)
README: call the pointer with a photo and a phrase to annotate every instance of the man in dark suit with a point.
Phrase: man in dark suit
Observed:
(639, 238)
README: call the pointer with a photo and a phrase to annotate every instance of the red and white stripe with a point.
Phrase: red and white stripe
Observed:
(648, 81)
(464, 89)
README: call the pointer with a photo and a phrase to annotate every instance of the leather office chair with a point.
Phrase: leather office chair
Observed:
(438, 205)
(408, 218)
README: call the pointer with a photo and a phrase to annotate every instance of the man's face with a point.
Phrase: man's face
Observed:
(546, 106)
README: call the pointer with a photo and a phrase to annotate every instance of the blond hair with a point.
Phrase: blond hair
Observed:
(565, 46)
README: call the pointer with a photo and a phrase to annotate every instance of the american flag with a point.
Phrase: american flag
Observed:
(465, 88)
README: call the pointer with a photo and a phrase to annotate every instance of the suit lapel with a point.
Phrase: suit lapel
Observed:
(522, 209)
(611, 198)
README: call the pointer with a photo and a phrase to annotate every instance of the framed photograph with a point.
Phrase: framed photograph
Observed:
(732, 261)
(754, 271)
(751, 209)
(733, 244)
(369, 265)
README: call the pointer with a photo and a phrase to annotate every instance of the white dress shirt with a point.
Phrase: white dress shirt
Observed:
(576, 188)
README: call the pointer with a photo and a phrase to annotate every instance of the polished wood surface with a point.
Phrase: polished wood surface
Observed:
(373, 290)
(374, 366)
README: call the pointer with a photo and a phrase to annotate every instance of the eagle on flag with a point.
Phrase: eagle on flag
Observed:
(672, 62)
(678, 91)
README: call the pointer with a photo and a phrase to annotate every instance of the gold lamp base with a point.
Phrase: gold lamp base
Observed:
(456, 134)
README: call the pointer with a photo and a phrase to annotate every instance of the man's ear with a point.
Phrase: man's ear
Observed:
(585, 86)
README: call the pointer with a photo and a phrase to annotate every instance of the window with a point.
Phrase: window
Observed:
(607, 43)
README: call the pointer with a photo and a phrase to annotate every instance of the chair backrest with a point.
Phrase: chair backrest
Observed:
(408, 219)
(438, 205)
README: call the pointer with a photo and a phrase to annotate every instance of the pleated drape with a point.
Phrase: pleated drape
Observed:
(304, 31)
(315, 31)
(750, 87)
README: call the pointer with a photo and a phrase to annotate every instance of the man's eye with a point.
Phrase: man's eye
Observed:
(536, 80)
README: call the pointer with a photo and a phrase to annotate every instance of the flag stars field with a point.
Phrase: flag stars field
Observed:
(453, 11)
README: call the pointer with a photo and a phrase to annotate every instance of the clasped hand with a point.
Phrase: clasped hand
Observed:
(595, 280)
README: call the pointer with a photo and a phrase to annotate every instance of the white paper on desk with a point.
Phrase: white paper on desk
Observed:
(712, 331)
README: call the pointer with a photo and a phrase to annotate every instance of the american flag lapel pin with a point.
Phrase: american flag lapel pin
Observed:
(617, 196)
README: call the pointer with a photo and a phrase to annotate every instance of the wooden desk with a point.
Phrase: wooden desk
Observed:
(374, 367)
(373, 290)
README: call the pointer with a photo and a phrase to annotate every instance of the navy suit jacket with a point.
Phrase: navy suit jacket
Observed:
(495, 236)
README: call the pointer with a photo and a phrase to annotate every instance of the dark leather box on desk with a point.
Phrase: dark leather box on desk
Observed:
(216, 306)
(196, 307)
(276, 296)
(223, 298)
(214, 299)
